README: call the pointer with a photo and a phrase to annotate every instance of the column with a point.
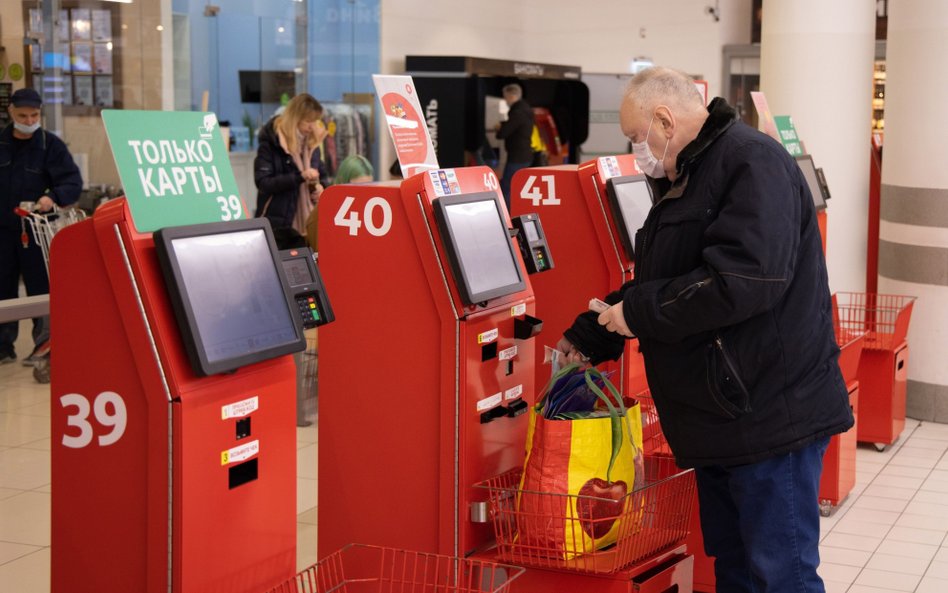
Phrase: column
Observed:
(816, 66)
(913, 230)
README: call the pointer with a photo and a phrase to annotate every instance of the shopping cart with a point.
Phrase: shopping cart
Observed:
(43, 226)
(372, 569)
(654, 518)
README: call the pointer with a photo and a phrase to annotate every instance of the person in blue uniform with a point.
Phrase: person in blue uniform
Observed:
(36, 167)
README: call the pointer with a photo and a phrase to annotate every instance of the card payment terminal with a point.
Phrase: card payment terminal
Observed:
(306, 286)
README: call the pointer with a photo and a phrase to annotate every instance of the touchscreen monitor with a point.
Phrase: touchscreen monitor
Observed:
(478, 247)
(229, 296)
(812, 180)
(630, 199)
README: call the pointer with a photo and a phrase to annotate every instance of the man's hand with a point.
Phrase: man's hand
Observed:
(570, 353)
(45, 204)
(614, 320)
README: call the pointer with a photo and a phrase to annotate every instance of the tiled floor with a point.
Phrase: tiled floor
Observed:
(891, 535)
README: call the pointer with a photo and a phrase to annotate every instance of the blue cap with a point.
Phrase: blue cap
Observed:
(26, 98)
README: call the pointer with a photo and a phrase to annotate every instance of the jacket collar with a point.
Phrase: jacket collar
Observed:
(38, 140)
(721, 116)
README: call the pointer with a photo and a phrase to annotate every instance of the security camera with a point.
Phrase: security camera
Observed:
(714, 12)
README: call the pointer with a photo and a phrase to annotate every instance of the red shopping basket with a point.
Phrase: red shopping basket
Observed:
(654, 518)
(850, 348)
(883, 317)
(359, 568)
(653, 439)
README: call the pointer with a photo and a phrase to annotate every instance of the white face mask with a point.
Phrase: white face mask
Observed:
(25, 129)
(644, 158)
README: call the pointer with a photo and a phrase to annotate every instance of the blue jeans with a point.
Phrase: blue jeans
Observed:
(509, 170)
(761, 522)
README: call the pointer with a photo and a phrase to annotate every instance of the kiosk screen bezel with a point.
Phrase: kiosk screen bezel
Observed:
(453, 250)
(626, 234)
(805, 162)
(181, 303)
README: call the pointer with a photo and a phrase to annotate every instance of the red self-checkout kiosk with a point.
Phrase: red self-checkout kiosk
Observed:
(425, 379)
(592, 246)
(173, 406)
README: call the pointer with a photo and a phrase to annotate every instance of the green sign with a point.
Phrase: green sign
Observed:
(174, 168)
(788, 134)
(16, 71)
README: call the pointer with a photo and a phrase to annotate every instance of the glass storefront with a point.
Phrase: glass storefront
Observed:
(238, 58)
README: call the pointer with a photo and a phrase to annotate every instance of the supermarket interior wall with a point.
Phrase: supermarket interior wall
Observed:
(601, 37)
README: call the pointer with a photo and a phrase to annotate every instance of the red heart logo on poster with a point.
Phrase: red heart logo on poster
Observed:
(598, 513)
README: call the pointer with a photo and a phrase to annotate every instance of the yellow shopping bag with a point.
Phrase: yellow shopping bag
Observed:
(579, 473)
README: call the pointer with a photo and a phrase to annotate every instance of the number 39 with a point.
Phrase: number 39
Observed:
(231, 208)
(117, 418)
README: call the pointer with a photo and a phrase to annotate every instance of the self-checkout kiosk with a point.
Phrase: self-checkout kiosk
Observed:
(427, 375)
(425, 379)
(590, 214)
(816, 182)
(173, 404)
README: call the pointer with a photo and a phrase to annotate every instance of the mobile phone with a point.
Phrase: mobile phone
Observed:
(598, 306)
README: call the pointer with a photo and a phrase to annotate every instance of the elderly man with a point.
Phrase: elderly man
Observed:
(731, 306)
(35, 166)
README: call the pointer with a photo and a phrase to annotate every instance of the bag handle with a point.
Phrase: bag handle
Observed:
(615, 415)
(566, 370)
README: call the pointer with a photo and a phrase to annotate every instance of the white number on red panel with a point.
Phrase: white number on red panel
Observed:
(376, 216)
(490, 181)
(109, 412)
(542, 192)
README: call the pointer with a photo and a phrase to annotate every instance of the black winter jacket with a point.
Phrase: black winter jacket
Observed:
(516, 133)
(731, 304)
(44, 168)
(278, 178)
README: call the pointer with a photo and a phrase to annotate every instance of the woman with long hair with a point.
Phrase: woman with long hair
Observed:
(286, 169)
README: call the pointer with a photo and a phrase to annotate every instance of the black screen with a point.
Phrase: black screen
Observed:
(631, 201)
(297, 272)
(266, 86)
(229, 297)
(480, 248)
(812, 181)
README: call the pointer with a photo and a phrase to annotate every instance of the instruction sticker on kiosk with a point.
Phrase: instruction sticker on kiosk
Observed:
(490, 402)
(609, 166)
(508, 353)
(513, 392)
(240, 409)
(487, 337)
(241, 453)
(518, 310)
(445, 182)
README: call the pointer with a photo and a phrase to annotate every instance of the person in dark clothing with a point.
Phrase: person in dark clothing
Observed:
(731, 306)
(35, 167)
(515, 132)
(288, 169)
